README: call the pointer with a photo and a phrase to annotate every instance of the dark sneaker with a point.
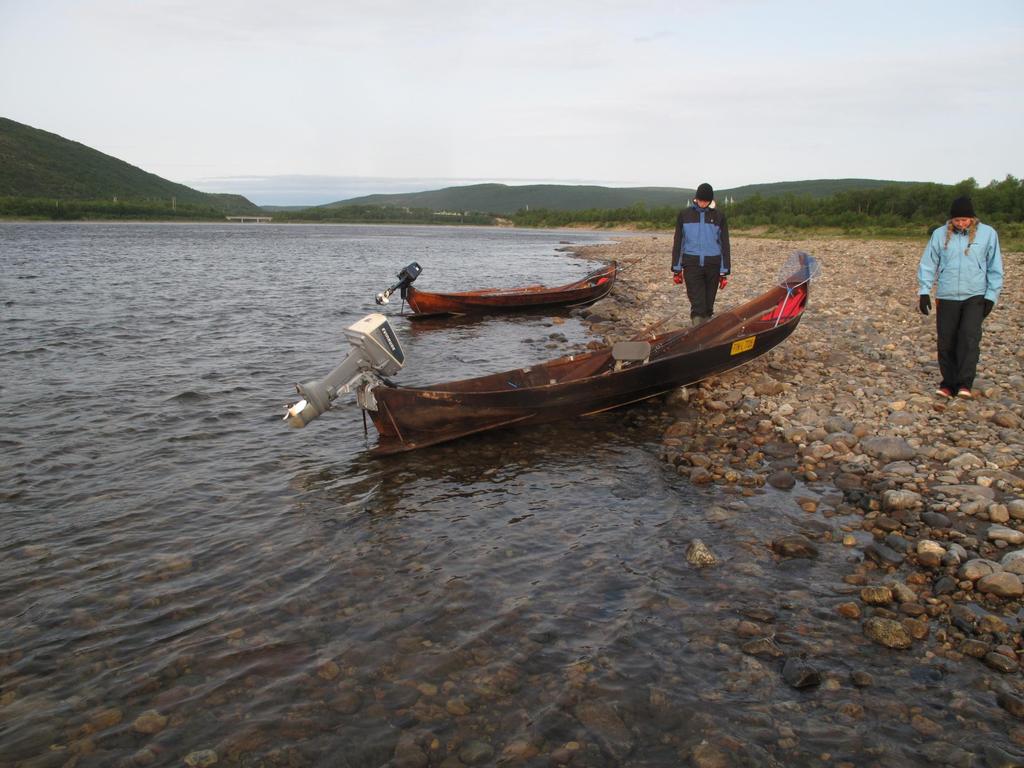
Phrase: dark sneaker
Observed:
(964, 392)
(944, 392)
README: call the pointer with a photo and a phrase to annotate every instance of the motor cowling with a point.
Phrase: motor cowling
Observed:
(375, 352)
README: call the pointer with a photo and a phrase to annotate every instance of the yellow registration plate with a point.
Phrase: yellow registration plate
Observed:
(743, 345)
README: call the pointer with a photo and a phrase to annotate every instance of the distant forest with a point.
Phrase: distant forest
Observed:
(381, 214)
(77, 210)
(900, 208)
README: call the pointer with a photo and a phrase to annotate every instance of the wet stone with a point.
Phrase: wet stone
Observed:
(476, 753)
(699, 555)
(607, 727)
(1002, 533)
(918, 629)
(762, 646)
(347, 702)
(849, 610)
(898, 544)
(201, 758)
(150, 722)
(799, 674)
(1001, 584)
(876, 595)
(1001, 663)
(930, 553)
(1011, 703)
(975, 648)
(975, 569)
(862, 679)
(882, 554)
(1000, 758)
(848, 482)
(700, 476)
(794, 546)
(935, 520)
(707, 755)
(782, 480)
(887, 632)
(779, 450)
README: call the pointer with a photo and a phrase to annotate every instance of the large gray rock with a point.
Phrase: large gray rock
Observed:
(888, 448)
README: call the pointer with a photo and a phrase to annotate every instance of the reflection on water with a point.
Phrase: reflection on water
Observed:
(183, 577)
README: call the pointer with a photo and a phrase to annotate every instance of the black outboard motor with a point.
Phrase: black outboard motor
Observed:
(405, 278)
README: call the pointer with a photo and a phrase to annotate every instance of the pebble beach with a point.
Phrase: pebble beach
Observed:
(844, 417)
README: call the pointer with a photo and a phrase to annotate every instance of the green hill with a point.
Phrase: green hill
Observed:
(816, 188)
(38, 164)
(505, 199)
(501, 198)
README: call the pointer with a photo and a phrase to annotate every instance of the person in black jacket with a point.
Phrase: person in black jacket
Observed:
(700, 253)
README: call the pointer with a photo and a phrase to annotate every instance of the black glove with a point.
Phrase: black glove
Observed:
(924, 303)
(988, 308)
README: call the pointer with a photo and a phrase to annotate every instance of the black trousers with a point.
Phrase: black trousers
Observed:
(701, 283)
(958, 326)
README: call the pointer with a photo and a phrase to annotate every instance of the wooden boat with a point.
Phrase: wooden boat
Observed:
(578, 385)
(532, 297)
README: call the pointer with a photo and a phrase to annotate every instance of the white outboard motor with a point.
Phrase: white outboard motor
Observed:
(375, 353)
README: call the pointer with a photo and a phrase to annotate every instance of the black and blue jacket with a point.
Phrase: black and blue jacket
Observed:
(701, 232)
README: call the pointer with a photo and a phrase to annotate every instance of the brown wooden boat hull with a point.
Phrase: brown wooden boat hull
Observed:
(534, 297)
(413, 417)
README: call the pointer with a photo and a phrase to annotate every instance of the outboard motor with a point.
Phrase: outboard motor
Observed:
(375, 353)
(405, 278)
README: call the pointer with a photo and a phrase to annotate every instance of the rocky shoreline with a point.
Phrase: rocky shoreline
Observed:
(844, 414)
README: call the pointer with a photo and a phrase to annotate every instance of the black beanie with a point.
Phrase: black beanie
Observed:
(962, 207)
(705, 192)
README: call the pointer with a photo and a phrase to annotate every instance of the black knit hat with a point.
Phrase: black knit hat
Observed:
(705, 192)
(962, 207)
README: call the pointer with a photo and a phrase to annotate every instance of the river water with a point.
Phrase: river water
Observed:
(185, 579)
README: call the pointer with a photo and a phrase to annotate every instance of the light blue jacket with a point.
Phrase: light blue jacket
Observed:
(978, 272)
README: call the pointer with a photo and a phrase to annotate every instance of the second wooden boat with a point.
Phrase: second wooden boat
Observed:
(492, 300)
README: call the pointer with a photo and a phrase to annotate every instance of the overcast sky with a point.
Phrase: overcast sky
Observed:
(317, 101)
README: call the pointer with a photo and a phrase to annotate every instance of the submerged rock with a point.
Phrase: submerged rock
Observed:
(887, 632)
(698, 555)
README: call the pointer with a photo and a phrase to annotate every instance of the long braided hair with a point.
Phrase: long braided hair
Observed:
(971, 232)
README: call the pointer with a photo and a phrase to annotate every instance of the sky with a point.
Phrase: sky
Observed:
(317, 101)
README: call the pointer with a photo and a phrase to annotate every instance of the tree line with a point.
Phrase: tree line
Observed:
(901, 208)
(382, 214)
(78, 210)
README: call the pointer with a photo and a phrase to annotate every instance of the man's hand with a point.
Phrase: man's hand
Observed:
(924, 303)
(677, 277)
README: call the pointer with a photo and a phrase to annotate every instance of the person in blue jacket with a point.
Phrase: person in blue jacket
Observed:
(964, 257)
(700, 253)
